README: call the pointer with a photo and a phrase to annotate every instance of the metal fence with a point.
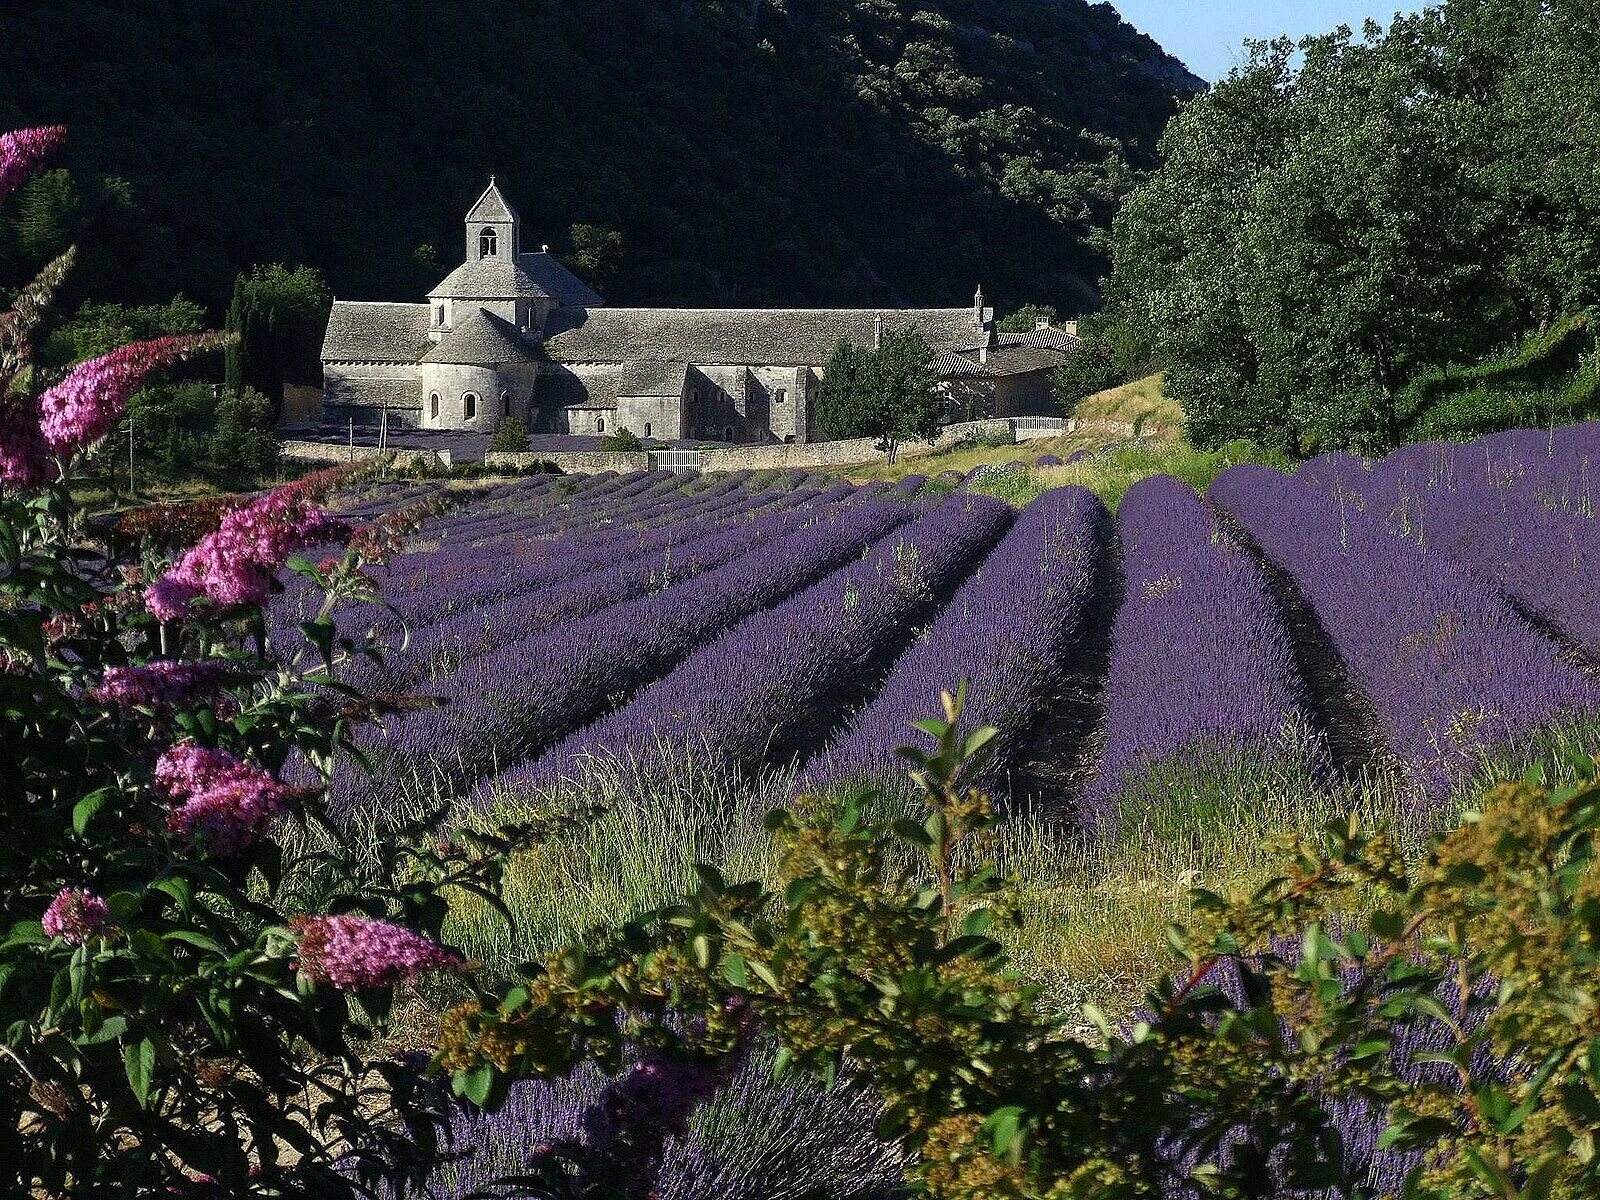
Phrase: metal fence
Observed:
(675, 460)
(1034, 427)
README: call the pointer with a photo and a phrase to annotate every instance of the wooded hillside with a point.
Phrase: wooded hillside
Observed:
(747, 151)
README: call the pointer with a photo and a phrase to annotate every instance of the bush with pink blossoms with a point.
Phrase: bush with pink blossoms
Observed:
(172, 960)
(76, 915)
(351, 952)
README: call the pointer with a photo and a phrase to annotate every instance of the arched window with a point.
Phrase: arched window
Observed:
(647, 429)
(469, 405)
(600, 424)
(505, 404)
(727, 433)
(487, 241)
(433, 405)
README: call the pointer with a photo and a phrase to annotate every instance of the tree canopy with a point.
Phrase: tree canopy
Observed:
(1338, 219)
(888, 393)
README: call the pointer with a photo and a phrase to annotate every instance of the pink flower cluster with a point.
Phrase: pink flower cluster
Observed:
(219, 803)
(162, 686)
(22, 151)
(351, 952)
(83, 407)
(234, 564)
(76, 915)
(24, 458)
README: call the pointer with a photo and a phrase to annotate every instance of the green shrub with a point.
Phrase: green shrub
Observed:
(623, 439)
(510, 438)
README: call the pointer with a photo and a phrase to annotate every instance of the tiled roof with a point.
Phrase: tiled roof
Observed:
(956, 366)
(548, 273)
(1048, 338)
(489, 279)
(492, 206)
(1020, 360)
(482, 339)
(532, 276)
(359, 331)
(791, 337)
(652, 378)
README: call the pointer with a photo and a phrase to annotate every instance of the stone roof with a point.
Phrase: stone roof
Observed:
(489, 279)
(1020, 360)
(535, 276)
(956, 366)
(481, 339)
(652, 377)
(362, 331)
(1048, 338)
(492, 206)
(778, 337)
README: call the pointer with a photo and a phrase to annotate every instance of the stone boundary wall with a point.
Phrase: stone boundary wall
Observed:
(852, 451)
(590, 462)
(332, 452)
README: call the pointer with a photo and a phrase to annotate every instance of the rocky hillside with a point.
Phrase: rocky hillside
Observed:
(747, 151)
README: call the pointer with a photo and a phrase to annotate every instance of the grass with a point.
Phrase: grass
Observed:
(1088, 916)
(1144, 402)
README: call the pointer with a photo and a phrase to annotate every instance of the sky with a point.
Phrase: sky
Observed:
(1209, 35)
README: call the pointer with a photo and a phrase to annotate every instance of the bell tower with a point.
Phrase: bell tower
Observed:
(493, 227)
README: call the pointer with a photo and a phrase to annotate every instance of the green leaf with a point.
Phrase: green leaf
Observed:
(1004, 1127)
(734, 971)
(476, 1084)
(139, 1061)
(85, 809)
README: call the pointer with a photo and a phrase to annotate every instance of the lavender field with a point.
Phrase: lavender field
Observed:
(1173, 683)
(1410, 623)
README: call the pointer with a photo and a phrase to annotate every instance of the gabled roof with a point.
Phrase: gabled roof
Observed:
(774, 336)
(362, 331)
(1021, 360)
(548, 273)
(481, 339)
(530, 277)
(492, 206)
(1048, 338)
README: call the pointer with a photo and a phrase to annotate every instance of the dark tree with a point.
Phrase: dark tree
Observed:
(889, 393)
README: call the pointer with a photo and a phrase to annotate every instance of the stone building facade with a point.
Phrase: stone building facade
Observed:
(515, 333)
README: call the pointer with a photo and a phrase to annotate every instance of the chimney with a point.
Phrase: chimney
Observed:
(1071, 327)
(977, 308)
(877, 331)
(545, 249)
(1041, 323)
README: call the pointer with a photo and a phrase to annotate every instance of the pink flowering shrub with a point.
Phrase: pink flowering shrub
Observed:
(76, 915)
(219, 803)
(234, 565)
(163, 685)
(351, 952)
(174, 1005)
(23, 150)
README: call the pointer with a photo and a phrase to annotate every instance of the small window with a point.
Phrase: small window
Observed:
(433, 406)
(487, 241)
(779, 396)
(600, 424)
(505, 404)
(727, 433)
(647, 429)
(438, 315)
(469, 405)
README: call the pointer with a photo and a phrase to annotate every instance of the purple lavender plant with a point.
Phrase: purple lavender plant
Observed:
(1204, 704)
(1009, 632)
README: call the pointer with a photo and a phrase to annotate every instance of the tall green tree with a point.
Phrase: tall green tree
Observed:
(889, 393)
(278, 316)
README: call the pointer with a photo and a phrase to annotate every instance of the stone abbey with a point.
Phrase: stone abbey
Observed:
(515, 333)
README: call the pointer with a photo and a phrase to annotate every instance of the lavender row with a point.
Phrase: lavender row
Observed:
(738, 698)
(664, 559)
(1451, 669)
(1010, 633)
(1203, 676)
(509, 704)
